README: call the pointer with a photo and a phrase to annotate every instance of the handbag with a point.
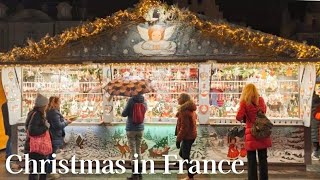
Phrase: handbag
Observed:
(40, 144)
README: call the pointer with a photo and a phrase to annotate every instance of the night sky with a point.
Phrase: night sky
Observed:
(264, 15)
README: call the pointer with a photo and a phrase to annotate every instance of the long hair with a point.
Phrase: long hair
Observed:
(185, 97)
(250, 94)
(52, 101)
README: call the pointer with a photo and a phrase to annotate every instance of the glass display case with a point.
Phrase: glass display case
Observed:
(82, 94)
(279, 86)
(168, 82)
(80, 90)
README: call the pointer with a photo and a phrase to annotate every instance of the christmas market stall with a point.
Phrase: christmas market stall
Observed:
(178, 52)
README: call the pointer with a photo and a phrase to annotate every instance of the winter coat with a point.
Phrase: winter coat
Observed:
(314, 123)
(57, 125)
(128, 112)
(5, 115)
(186, 128)
(249, 112)
(36, 126)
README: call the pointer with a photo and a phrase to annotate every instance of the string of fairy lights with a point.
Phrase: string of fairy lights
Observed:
(252, 40)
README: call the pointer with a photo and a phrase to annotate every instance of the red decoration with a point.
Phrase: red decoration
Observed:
(243, 152)
(204, 109)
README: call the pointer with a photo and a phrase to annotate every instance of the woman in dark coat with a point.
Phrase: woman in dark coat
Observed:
(36, 125)
(57, 125)
(315, 127)
(250, 103)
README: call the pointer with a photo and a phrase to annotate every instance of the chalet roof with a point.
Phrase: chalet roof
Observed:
(113, 39)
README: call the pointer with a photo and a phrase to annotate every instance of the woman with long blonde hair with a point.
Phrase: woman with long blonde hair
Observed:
(250, 103)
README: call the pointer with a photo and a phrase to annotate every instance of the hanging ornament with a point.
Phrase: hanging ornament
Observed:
(272, 73)
(204, 109)
(11, 75)
(289, 72)
(263, 74)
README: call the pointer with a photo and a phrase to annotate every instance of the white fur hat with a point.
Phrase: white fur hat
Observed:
(41, 101)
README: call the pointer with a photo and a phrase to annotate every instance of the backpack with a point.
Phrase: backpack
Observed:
(138, 113)
(262, 126)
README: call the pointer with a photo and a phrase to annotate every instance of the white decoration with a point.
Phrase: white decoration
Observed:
(155, 40)
(159, 14)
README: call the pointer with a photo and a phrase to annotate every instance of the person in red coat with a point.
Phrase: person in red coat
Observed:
(186, 129)
(250, 102)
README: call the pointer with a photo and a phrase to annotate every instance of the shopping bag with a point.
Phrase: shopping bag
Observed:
(41, 144)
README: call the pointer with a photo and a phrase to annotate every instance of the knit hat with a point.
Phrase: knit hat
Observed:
(41, 101)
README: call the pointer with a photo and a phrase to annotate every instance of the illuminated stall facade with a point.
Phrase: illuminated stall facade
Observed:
(179, 52)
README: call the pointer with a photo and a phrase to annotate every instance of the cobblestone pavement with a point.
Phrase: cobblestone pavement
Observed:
(313, 172)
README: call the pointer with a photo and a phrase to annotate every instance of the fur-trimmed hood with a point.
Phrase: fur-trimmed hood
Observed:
(188, 106)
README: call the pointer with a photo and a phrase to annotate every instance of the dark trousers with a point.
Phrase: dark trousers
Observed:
(37, 176)
(8, 147)
(49, 166)
(252, 165)
(184, 153)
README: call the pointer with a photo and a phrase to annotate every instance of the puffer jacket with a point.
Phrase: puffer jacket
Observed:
(249, 112)
(314, 123)
(36, 125)
(128, 112)
(57, 125)
(187, 122)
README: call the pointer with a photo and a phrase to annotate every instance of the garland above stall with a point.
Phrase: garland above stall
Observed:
(242, 37)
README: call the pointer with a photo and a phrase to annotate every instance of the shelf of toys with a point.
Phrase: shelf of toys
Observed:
(168, 81)
(215, 88)
(286, 98)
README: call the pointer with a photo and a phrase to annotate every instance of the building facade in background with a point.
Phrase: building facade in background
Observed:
(305, 29)
(17, 27)
(203, 7)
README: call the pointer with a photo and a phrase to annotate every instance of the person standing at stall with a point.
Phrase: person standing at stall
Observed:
(7, 128)
(250, 103)
(36, 125)
(315, 123)
(57, 124)
(135, 111)
(186, 129)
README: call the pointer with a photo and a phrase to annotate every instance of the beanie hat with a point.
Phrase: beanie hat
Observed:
(41, 101)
